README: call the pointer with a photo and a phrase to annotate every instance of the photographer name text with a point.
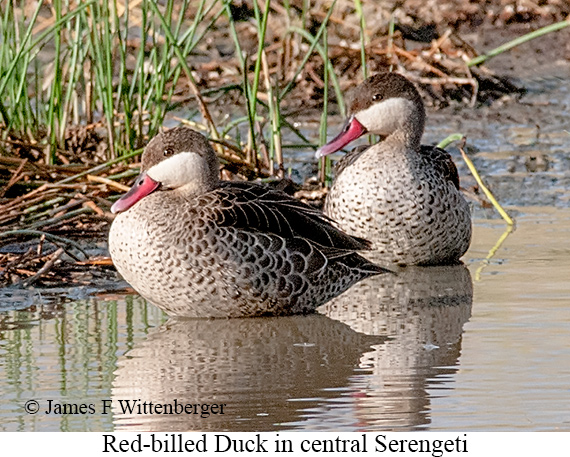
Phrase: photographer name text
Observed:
(138, 407)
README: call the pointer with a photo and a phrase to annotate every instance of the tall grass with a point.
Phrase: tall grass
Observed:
(362, 26)
(114, 65)
(91, 74)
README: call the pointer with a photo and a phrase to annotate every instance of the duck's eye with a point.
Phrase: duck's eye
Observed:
(377, 97)
(168, 151)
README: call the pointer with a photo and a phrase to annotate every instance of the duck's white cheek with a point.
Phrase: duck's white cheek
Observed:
(385, 117)
(178, 170)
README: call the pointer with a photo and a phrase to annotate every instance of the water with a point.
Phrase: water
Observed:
(479, 347)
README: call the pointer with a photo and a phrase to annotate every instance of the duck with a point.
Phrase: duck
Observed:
(401, 195)
(199, 247)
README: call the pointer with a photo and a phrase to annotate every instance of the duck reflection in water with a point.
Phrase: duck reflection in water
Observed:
(421, 312)
(366, 361)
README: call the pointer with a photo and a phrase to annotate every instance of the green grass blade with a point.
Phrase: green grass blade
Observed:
(517, 41)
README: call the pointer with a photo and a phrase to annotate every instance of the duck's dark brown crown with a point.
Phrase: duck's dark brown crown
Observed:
(381, 86)
(172, 142)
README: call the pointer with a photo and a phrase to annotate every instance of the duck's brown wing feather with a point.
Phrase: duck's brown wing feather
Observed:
(257, 207)
(442, 162)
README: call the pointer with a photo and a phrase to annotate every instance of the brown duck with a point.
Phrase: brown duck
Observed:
(401, 195)
(199, 247)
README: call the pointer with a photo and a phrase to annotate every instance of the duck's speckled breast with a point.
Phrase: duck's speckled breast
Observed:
(165, 252)
(400, 202)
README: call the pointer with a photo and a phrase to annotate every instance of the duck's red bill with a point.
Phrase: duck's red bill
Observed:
(143, 186)
(350, 132)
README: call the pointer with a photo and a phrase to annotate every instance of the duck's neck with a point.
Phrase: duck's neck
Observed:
(199, 187)
(408, 135)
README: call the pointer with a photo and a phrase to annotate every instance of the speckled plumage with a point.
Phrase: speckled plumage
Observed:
(402, 196)
(229, 249)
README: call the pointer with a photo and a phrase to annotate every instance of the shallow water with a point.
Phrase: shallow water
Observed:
(480, 347)
(424, 351)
